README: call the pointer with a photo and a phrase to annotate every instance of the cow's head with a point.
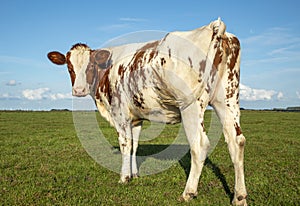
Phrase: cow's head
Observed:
(84, 64)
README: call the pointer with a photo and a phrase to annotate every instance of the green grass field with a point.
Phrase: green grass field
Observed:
(42, 162)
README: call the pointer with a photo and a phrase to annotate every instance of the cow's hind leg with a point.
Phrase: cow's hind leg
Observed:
(229, 117)
(192, 119)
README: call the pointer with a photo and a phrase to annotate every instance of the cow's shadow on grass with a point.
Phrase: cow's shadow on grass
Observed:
(182, 155)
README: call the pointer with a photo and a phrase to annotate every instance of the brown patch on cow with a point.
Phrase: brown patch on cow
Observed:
(121, 71)
(233, 72)
(214, 34)
(237, 129)
(231, 75)
(202, 125)
(97, 95)
(138, 100)
(225, 44)
(169, 50)
(70, 68)
(234, 52)
(202, 66)
(91, 70)
(230, 91)
(216, 62)
(90, 74)
(152, 54)
(208, 88)
(104, 85)
(190, 61)
(213, 73)
(137, 60)
(151, 45)
(217, 59)
(139, 56)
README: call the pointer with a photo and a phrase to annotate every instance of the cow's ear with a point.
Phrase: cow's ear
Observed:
(57, 58)
(102, 58)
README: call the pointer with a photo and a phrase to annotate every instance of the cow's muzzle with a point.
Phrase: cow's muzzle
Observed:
(80, 91)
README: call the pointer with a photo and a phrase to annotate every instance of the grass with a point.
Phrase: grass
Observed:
(42, 162)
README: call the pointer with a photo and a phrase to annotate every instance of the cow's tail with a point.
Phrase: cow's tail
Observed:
(218, 28)
(214, 56)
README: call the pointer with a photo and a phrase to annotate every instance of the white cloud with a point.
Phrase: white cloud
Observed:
(8, 96)
(44, 93)
(60, 96)
(249, 94)
(35, 94)
(298, 94)
(11, 83)
(280, 95)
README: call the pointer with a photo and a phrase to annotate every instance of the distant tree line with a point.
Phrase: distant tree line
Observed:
(288, 109)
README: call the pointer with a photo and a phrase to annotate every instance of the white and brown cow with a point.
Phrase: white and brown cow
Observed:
(171, 80)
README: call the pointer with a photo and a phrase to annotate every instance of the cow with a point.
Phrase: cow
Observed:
(170, 80)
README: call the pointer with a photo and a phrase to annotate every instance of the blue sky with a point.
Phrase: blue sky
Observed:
(269, 32)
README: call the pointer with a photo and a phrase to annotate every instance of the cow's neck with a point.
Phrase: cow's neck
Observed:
(100, 61)
(100, 84)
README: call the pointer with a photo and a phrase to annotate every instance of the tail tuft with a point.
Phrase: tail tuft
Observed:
(218, 27)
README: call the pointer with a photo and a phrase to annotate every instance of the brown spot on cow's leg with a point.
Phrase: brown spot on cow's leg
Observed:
(202, 125)
(237, 129)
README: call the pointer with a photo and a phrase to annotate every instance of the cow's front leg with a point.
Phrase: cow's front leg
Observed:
(125, 147)
(136, 130)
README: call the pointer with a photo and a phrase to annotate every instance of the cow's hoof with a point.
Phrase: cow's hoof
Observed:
(240, 200)
(124, 180)
(187, 197)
